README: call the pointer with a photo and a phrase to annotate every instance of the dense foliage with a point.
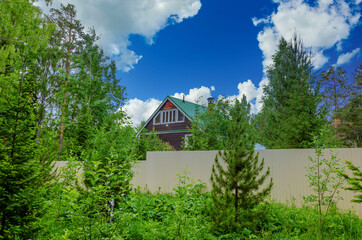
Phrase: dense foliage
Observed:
(184, 215)
(149, 142)
(208, 128)
(23, 173)
(60, 99)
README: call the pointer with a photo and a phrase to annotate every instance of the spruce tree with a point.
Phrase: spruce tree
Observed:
(23, 174)
(236, 184)
(290, 116)
(354, 182)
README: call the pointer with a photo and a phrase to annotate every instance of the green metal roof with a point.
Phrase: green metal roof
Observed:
(188, 108)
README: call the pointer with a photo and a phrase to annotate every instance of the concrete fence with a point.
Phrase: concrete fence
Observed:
(288, 170)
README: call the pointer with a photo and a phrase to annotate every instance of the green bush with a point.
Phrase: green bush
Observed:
(182, 215)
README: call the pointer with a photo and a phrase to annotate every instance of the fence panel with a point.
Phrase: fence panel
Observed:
(287, 166)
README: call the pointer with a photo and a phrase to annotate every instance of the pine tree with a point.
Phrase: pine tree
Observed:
(336, 90)
(350, 127)
(355, 182)
(67, 37)
(290, 115)
(236, 185)
(88, 90)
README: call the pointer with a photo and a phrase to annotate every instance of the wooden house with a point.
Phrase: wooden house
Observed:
(172, 121)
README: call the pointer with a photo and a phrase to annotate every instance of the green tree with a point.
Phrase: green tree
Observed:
(236, 185)
(323, 178)
(111, 146)
(87, 89)
(95, 93)
(23, 173)
(290, 115)
(355, 182)
(349, 128)
(66, 39)
(149, 142)
(336, 90)
(209, 126)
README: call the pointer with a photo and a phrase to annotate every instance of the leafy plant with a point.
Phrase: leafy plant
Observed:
(149, 142)
(323, 179)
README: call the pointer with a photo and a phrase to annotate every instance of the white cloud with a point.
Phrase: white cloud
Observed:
(321, 26)
(139, 110)
(248, 89)
(252, 93)
(339, 46)
(319, 59)
(197, 95)
(116, 20)
(346, 57)
(256, 21)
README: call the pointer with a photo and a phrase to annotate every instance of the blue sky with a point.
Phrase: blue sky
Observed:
(217, 47)
(200, 48)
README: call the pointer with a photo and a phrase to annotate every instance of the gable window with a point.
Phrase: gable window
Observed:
(158, 119)
(168, 116)
(180, 117)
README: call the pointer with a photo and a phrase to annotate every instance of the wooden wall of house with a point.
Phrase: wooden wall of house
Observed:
(174, 139)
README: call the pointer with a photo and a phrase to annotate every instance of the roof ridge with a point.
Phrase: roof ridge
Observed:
(186, 101)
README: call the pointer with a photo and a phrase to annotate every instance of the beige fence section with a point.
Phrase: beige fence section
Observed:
(158, 172)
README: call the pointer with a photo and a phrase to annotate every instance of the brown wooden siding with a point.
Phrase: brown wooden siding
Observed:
(174, 139)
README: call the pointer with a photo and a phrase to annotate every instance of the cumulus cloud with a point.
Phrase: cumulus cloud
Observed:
(346, 57)
(246, 88)
(321, 26)
(319, 59)
(197, 95)
(256, 21)
(116, 20)
(252, 93)
(139, 110)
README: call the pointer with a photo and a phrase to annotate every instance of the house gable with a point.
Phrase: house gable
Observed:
(171, 121)
(188, 109)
